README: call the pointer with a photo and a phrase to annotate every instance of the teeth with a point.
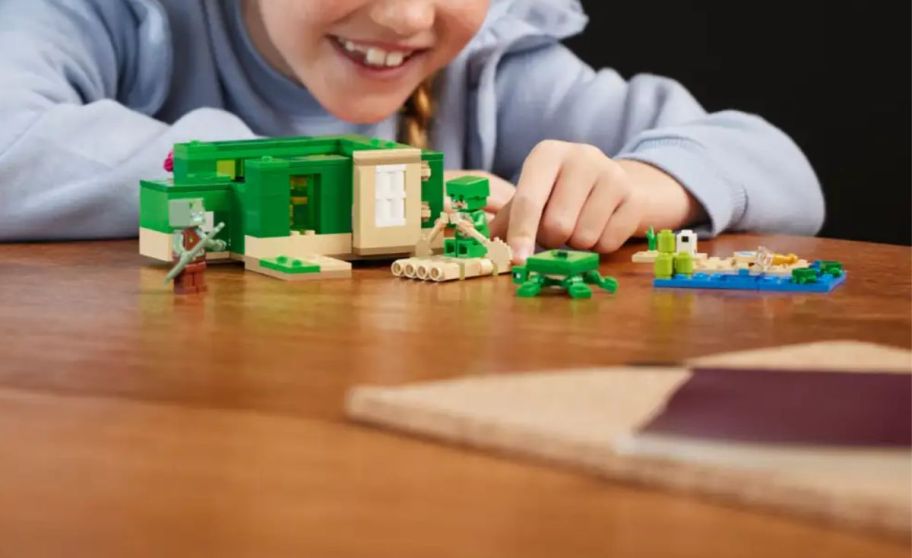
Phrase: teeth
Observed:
(375, 56)
(394, 59)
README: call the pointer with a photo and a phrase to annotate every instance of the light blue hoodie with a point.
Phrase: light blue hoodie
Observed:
(93, 93)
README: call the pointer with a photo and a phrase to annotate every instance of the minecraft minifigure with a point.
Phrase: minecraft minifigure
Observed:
(189, 245)
(468, 196)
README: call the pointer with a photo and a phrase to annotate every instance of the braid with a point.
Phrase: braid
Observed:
(417, 113)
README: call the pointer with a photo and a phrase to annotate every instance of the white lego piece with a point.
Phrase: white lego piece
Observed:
(686, 242)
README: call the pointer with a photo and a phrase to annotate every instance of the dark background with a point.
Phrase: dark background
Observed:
(837, 79)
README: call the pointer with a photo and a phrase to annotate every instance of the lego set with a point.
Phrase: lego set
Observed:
(674, 266)
(298, 208)
(304, 207)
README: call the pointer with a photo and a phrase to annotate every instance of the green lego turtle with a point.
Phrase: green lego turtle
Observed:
(573, 271)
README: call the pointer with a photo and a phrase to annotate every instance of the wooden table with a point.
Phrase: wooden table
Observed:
(137, 423)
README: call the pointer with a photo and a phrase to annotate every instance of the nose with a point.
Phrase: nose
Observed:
(405, 17)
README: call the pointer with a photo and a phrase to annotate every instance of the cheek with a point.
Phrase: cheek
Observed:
(459, 21)
(295, 26)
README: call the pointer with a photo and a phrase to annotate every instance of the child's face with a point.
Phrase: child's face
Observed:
(361, 59)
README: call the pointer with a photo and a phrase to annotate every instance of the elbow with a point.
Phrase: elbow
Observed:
(792, 179)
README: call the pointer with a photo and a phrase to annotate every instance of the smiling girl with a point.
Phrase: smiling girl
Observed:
(94, 93)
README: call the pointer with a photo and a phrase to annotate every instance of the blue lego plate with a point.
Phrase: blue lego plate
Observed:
(744, 281)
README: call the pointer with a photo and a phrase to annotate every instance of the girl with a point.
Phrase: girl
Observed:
(95, 92)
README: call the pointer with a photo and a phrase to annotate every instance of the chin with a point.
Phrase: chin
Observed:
(365, 111)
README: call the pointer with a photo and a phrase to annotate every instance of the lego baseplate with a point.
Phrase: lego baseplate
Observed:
(745, 281)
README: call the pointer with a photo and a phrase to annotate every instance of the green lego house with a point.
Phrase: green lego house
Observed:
(320, 201)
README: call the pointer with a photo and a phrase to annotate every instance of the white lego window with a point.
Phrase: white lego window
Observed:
(389, 196)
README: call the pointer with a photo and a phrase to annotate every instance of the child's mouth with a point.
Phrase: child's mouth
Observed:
(374, 57)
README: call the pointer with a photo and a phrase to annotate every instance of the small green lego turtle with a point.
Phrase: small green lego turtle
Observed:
(572, 271)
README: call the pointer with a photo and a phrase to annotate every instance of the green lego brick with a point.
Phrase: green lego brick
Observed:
(562, 262)
(802, 276)
(266, 198)
(831, 267)
(469, 187)
(663, 268)
(683, 263)
(219, 198)
(349, 144)
(432, 188)
(289, 265)
(666, 241)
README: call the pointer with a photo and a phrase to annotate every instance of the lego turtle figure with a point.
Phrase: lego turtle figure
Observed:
(572, 271)
(468, 195)
(189, 245)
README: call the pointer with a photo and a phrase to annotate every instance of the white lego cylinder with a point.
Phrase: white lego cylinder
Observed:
(398, 267)
(422, 270)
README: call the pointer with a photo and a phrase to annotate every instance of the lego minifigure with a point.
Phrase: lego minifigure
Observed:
(471, 252)
(189, 245)
(468, 196)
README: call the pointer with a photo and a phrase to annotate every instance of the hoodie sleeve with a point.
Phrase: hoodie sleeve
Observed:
(79, 78)
(746, 173)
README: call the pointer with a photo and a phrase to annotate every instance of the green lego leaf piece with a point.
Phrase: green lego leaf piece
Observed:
(804, 275)
(289, 265)
(563, 262)
(830, 267)
(651, 239)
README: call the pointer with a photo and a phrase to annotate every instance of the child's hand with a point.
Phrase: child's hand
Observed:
(574, 195)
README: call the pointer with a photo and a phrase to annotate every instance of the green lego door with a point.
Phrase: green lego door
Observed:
(301, 210)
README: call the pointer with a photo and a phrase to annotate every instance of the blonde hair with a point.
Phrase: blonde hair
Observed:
(416, 116)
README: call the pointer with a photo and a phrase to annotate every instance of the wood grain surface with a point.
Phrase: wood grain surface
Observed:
(134, 422)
